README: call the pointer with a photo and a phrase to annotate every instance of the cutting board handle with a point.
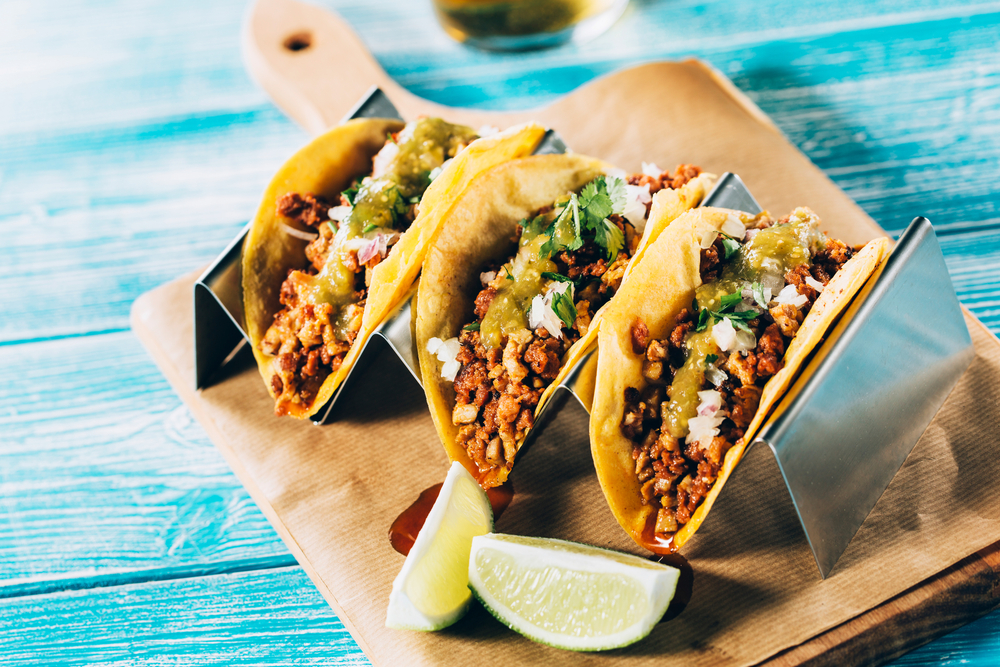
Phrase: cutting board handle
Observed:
(311, 63)
(315, 67)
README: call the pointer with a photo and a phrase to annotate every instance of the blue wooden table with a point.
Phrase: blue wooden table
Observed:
(133, 147)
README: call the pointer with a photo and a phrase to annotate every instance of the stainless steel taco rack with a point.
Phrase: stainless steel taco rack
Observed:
(843, 431)
(219, 323)
(839, 435)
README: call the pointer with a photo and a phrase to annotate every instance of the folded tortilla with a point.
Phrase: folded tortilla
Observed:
(325, 167)
(662, 284)
(480, 228)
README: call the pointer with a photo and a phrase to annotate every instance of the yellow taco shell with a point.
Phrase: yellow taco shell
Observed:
(480, 227)
(327, 166)
(662, 284)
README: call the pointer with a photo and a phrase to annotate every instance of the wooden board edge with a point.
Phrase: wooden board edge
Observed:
(941, 604)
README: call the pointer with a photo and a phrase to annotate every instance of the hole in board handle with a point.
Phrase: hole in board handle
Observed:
(299, 41)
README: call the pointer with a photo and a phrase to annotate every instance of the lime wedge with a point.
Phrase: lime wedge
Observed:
(432, 590)
(569, 595)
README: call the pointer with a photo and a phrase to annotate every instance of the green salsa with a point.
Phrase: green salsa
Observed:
(774, 250)
(688, 381)
(424, 145)
(778, 249)
(509, 310)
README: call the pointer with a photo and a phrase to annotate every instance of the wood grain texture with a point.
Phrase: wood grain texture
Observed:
(133, 146)
(266, 617)
(104, 473)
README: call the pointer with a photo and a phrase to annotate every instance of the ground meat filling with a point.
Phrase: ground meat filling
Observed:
(497, 389)
(323, 302)
(302, 336)
(676, 475)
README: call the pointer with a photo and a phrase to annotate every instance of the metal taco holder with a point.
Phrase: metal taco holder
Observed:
(840, 433)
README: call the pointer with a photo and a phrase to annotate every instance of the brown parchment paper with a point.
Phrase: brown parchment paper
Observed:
(332, 492)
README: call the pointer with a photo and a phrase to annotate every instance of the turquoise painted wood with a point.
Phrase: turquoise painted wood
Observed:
(133, 146)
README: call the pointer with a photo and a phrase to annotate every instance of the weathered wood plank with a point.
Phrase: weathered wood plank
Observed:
(266, 617)
(129, 218)
(142, 142)
(104, 472)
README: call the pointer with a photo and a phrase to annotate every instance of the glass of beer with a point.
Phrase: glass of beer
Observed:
(517, 25)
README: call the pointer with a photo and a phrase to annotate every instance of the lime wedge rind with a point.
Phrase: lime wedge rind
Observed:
(652, 586)
(431, 590)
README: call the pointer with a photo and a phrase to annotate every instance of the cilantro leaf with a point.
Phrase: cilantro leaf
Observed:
(471, 327)
(758, 295)
(711, 359)
(746, 315)
(549, 247)
(616, 192)
(574, 204)
(740, 324)
(703, 316)
(595, 202)
(351, 193)
(611, 238)
(729, 301)
(562, 306)
(730, 247)
(589, 192)
(509, 276)
(558, 277)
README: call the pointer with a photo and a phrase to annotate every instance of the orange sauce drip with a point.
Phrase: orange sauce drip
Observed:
(658, 544)
(404, 530)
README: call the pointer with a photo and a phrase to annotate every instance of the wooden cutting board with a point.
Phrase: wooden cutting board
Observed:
(668, 112)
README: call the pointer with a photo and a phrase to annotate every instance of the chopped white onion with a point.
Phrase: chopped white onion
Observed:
(487, 277)
(711, 401)
(376, 246)
(541, 313)
(636, 198)
(708, 238)
(715, 375)
(745, 341)
(790, 295)
(773, 282)
(340, 213)
(734, 227)
(381, 162)
(815, 284)
(724, 334)
(703, 428)
(436, 171)
(748, 302)
(487, 131)
(446, 351)
(297, 233)
(650, 169)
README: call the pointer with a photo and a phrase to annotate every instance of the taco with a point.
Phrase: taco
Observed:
(339, 238)
(513, 289)
(720, 314)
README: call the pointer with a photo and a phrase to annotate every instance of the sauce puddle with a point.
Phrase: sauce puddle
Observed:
(407, 525)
